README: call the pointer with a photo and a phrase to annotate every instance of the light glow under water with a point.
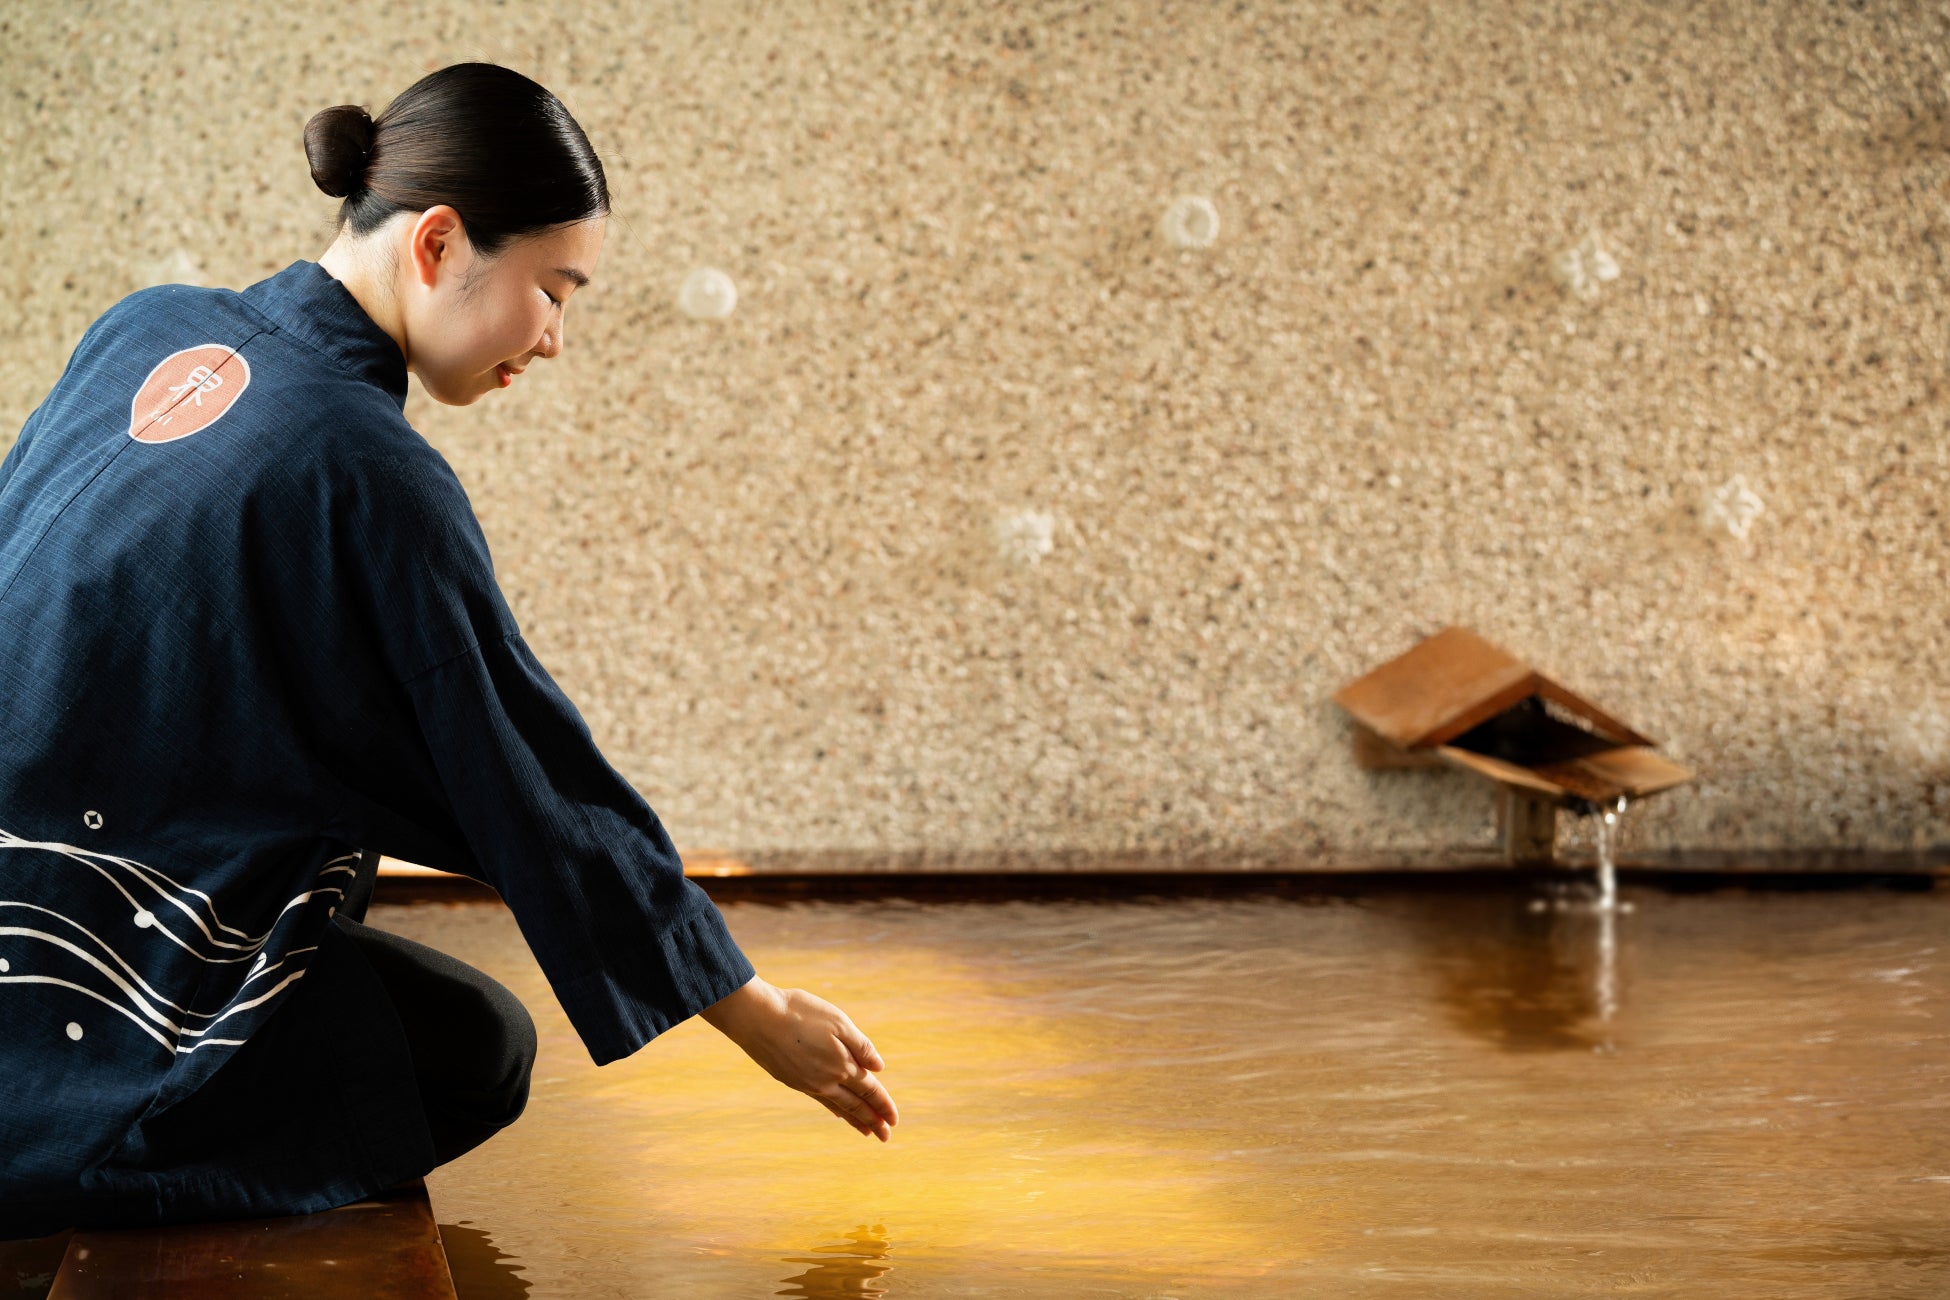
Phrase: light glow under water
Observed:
(1429, 1095)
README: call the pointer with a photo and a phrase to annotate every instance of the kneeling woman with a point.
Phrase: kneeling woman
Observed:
(250, 638)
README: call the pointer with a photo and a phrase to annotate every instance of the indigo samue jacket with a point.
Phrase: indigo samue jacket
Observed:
(249, 627)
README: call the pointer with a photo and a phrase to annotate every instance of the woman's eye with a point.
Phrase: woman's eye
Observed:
(551, 297)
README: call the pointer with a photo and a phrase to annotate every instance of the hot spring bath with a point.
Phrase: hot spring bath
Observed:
(1401, 1095)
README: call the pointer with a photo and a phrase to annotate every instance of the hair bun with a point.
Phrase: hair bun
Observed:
(338, 144)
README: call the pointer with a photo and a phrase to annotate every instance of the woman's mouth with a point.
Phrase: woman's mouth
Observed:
(503, 376)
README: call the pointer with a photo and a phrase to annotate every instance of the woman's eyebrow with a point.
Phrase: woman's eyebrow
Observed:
(577, 278)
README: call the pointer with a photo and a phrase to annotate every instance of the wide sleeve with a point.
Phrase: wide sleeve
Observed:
(629, 945)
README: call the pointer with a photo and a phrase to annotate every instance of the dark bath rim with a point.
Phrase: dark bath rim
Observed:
(1676, 873)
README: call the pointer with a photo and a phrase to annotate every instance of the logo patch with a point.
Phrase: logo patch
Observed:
(188, 391)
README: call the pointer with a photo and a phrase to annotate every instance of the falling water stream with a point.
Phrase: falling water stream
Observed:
(1608, 908)
(1608, 817)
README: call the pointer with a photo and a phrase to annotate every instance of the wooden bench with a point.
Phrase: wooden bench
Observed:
(385, 1248)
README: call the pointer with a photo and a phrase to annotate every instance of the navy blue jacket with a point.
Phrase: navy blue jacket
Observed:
(248, 627)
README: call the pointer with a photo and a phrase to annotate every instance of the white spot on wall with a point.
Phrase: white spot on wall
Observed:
(707, 294)
(1191, 222)
(177, 268)
(1732, 507)
(1582, 269)
(1922, 734)
(1026, 536)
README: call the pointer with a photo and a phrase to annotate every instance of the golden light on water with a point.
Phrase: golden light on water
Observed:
(1016, 1138)
(1408, 1097)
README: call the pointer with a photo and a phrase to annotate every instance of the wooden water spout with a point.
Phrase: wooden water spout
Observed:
(1455, 700)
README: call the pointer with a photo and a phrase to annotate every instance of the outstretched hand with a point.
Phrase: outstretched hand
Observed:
(807, 1043)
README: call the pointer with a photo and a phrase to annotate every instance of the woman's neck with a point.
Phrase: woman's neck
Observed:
(363, 266)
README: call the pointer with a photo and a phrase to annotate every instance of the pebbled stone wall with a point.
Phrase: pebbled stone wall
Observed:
(1003, 513)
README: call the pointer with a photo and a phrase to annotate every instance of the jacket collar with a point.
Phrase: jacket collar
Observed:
(306, 301)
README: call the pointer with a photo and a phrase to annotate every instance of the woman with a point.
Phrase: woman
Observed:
(250, 637)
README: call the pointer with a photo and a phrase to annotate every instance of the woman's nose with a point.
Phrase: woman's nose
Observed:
(551, 341)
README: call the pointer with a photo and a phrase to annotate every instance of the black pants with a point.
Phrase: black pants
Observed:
(473, 1042)
(317, 1098)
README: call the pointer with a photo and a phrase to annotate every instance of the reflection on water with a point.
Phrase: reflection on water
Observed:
(481, 1271)
(851, 1269)
(1432, 1095)
(1525, 978)
(27, 1266)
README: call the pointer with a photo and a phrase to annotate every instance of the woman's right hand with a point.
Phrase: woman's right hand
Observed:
(807, 1043)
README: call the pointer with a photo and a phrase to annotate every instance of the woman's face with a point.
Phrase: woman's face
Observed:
(473, 323)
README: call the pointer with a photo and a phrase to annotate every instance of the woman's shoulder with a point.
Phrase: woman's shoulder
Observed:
(207, 383)
(301, 404)
(294, 382)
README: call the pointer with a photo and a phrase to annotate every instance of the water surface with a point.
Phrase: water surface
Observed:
(1430, 1095)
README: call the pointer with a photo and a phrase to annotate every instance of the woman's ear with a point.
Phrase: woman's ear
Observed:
(436, 245)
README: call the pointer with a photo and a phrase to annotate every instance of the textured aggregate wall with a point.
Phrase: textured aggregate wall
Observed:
(991, 520)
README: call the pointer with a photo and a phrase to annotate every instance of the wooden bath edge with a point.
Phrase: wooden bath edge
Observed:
(386, 1247)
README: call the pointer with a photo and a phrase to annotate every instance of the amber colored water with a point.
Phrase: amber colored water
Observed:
(1398, 1096)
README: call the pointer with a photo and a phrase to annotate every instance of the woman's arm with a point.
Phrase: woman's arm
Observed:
(807, 1043)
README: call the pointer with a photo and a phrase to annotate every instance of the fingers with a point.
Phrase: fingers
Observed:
(857, 1043)
(874, 1094)
(868, 1098)
(863, 1102)
(867, 1130)
(834, 1067)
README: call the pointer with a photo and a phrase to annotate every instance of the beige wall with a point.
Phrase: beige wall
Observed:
(771, 557)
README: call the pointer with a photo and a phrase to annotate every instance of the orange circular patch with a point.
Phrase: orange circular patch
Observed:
(188, 391)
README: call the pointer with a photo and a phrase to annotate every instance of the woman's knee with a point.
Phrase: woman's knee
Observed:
(508, 1057)
(473, 1042)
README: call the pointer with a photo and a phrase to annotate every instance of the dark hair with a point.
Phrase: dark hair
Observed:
(481, 138)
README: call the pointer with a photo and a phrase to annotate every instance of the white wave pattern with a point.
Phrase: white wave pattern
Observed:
(176, 1028)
